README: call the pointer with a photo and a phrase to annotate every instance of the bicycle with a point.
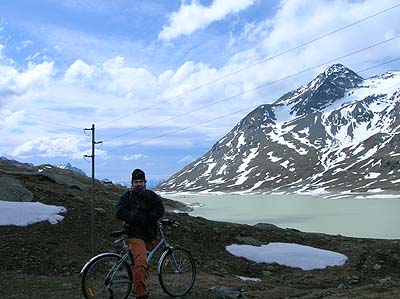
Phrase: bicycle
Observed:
(109, 275)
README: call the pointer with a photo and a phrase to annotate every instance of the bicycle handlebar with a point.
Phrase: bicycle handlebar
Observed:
(168, 222)
(162, 222)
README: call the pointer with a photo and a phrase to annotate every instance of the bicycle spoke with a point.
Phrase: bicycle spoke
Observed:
(177, 273)
(107, 278)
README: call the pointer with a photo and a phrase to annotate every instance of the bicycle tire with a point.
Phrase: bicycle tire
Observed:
(93, 281)
(176, 272)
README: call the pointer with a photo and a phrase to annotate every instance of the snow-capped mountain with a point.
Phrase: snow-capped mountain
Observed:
(150, 183)
(68, 166)
(339, 132)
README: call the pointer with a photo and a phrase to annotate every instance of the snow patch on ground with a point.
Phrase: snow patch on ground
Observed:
(272, 158)
(253, 153)
(25, 213)
(209, 169)
(372, 175)
(290, 255)
(241, 141)
(285, 164)
(249, 279)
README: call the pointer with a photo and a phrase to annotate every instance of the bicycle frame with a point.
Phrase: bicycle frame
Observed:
(126, 256)
(118, 271)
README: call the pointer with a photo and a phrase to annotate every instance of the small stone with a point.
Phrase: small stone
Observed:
(386, 281)
(377, 267)
(228, 293)
(355, 279)
(100, 210)
(341, 286)
(267, 273)
(67, 285)
(80, 198)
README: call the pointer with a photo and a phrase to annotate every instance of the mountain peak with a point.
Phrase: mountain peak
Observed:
(338, 70)
(325, 89)
(68, 166)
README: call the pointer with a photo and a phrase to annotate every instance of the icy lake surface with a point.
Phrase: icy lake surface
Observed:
(375, 216)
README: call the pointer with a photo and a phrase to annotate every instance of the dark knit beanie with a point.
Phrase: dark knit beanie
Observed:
(138, 174)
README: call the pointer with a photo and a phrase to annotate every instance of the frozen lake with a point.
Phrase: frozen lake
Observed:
(357, 216)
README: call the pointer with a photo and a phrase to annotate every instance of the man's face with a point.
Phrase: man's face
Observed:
(138, 184)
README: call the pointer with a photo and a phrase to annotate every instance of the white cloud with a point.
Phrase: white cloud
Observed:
(113, 76)
(299, 21)
(35, 77)
(24, 44)
(125, 80)
(54, 146)
(78, 71)
(194, 16)
(11, 120)
(134, 157)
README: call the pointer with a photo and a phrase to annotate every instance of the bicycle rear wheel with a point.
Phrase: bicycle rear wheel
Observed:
(102, 280)
(177, 272)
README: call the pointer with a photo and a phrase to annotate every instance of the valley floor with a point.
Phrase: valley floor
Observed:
(208, 286)
(43, 260)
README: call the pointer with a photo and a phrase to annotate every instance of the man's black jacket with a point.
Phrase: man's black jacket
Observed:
(140, 211)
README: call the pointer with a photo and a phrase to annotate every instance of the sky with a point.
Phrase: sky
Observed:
(162, 81)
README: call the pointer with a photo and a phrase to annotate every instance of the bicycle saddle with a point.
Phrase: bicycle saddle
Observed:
(118, 233)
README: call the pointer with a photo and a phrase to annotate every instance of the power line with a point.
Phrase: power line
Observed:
(378, 65)
(185, 128)
(223, 116)
(252, 65)
(52, 123)
(253, 89)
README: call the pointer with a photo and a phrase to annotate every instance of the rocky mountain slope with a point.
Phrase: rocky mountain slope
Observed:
(43, 260)
(338, 132)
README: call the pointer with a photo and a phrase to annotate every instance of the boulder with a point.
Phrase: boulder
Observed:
(11, 189)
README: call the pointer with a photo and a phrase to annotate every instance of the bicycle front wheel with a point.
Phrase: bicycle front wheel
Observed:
(106, 277)
(177, 272)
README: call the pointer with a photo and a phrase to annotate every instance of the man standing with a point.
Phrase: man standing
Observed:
(140, 209)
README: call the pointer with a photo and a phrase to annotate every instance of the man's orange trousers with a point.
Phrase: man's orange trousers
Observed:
(139, 248)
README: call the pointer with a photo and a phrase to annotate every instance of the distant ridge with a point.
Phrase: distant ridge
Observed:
(68, 166)
(14, 162)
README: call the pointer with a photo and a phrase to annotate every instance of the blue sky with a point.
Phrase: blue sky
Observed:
(123, 64)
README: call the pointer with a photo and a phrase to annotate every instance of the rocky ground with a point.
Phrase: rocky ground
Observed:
(44, 260)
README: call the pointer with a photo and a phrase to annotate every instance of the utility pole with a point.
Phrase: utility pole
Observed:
(92, 156)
